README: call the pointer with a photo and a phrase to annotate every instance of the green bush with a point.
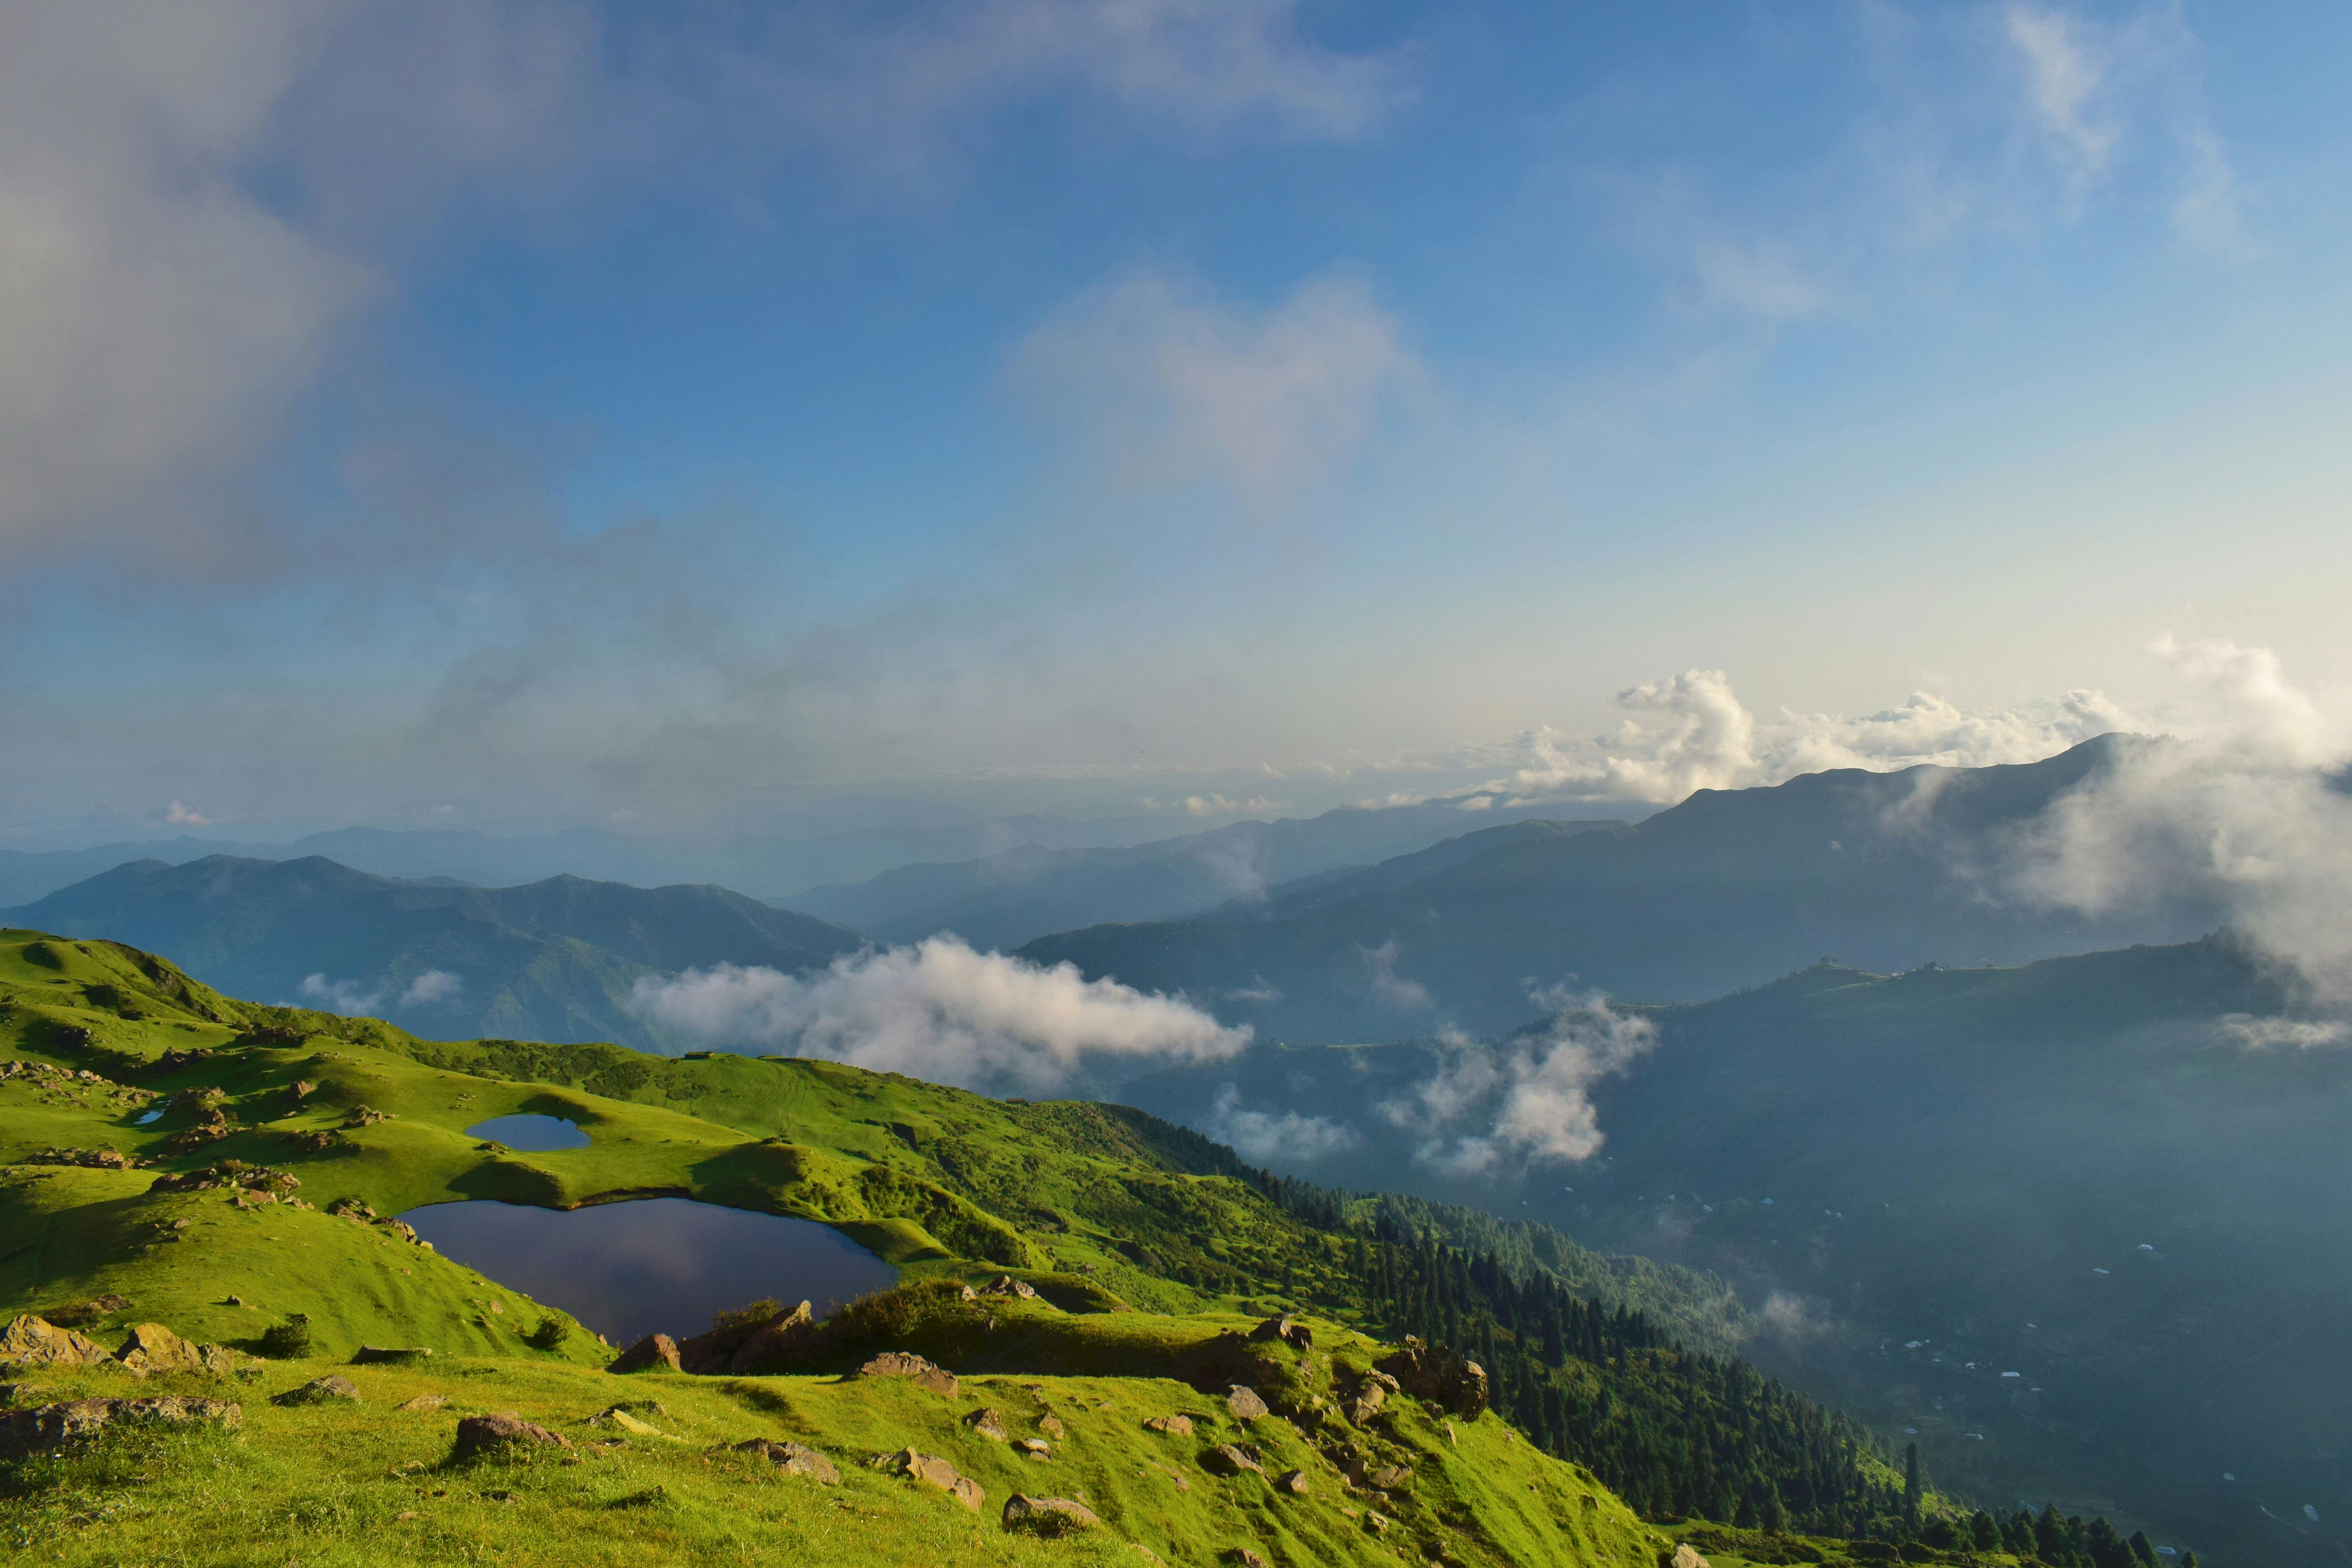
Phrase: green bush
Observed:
(549, 1333)
(289, 1341)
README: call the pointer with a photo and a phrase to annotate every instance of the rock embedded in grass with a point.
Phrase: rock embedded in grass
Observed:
(1235, 1458)
(1244, 1402)
(933, 1471)
(1047, 1516)
(1174, 1426)
(482, 1435)
(794, 1460)
(914, 1368)
(46, 1428)
(320, 1391)
(989, 1423)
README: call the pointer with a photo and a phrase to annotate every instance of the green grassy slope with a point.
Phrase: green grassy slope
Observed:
(1148, 1245)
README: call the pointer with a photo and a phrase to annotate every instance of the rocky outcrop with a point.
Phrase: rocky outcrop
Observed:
(1174, 1426)
(931, 1471)
(320, 1391)
(794, 1460)
(915, 1369)
(152, 1347)
(36, 1342)
(478, 1435)
(91, 1159)
(1292, 1481)
(654, 1352)
(47, 1428)
(1006, 1285)
(1687, 1556)
(1389, 1477)
(989, 1423)
(742, 1348)
(1243, 1402)
(1047, 1516)
(1287, 1329)
(1438, 1375)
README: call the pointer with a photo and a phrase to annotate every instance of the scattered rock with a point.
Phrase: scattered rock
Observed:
(320, 1391)
(1036, 1447)
(92, 1158)
(1451, 1439)
(933, 1471)
(82, 1313)
(923, 1373)
(1687, 1556)
(654, 1353)
(1390, 1477)
(367, 1354)
(1177, 1476)
(1287, 1329)
(45, 1428)
(36, 1341)
(749, 1347)
(1174, 1426)
(1052, 1426)
(1377, 1523)
(1008, 1286)
(1047, 1516)
(422, 1402)
(1235, 1458)
(987, 1422)
(480, 1434)
(617, 1416)
(1244, 1402)
(792, 1459)
(1245, 1558)
(232, 1301)
(1292, 1481)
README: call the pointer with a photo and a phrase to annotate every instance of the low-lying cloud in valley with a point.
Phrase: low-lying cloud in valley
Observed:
(942, 1010)
(1489, 1107)
(1280, 1141)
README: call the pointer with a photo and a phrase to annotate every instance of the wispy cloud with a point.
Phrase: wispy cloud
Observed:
(1492, 1108)
(1282, 1141)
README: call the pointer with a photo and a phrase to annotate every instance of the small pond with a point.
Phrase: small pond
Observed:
(531, 1134)
(661, 1264)
(154, 1115)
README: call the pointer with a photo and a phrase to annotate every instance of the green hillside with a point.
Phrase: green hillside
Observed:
(1152, 1253)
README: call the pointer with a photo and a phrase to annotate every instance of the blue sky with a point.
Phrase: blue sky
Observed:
(529, 414)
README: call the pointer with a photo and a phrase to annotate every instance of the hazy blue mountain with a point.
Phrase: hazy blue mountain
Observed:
(2120, 1176)
(553, 960)
(1002, 900)
(1728, 888)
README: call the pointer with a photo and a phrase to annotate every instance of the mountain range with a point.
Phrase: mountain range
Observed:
(2077, 1226)
(1729, 888)
(553, 960)
(1002, 900)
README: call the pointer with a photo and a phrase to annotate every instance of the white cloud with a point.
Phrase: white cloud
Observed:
(180, 816)
(433, 986)
(344, 996)
(1169, 387)
(1387, 986)
(2244, 805)
(1282, 1141)
(1690, 731)
(939, 1011)
(1259, 990)
(1490, 1107)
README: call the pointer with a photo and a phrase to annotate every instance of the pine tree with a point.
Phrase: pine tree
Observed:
(1911, 1486)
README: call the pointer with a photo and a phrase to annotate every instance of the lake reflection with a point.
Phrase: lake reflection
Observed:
(658, 1264)
(531, 1134)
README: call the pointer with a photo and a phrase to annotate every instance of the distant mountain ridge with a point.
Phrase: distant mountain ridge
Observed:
(1002, 900)
(553, 960)
(1886, 870)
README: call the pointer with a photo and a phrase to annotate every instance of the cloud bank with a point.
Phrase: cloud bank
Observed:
(1273, 1140)
(1690, 731)
(939, 1011)
(2249, 802)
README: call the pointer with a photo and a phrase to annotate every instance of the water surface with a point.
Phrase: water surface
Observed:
(658, 1264)
(531, 1134)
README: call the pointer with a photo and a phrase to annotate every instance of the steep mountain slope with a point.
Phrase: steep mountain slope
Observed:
(214, 1228)
(1002, 901)
(2079, 1223)
(553, 960)
(1728, 888)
